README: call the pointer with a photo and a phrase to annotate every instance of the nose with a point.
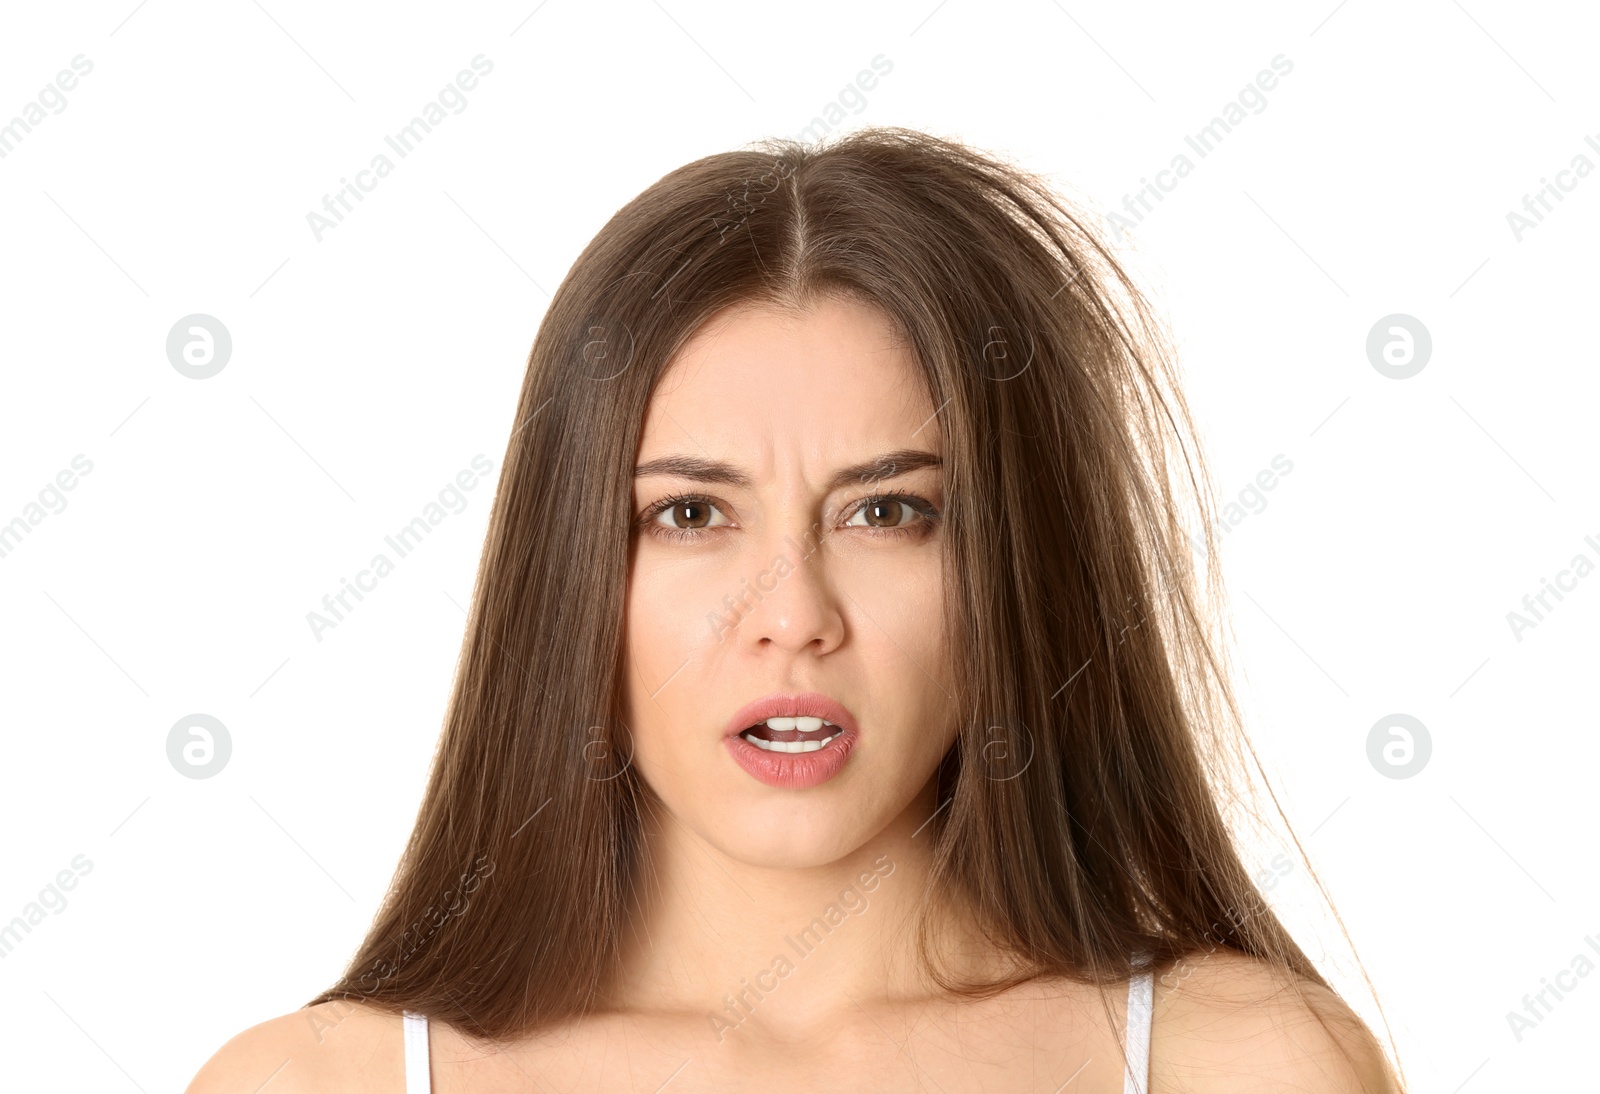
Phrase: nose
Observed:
(791, 604)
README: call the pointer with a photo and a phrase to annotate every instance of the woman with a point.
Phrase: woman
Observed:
(837, 707)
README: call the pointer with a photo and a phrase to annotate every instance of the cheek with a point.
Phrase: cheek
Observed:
(662, 627)
(899, 625)
(665, 635)
(901, 613)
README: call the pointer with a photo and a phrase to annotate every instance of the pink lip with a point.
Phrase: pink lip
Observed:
(792, 770)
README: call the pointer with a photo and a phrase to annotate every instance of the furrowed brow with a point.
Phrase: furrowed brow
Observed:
(698, 469)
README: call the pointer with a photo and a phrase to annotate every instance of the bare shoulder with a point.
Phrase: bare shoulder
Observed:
(338, 1046)
(1228, 1022)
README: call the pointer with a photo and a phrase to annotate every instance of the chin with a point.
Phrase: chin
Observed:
(786, 838)
(769, 828)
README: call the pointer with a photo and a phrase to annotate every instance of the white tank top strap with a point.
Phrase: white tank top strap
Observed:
(418, 1080)
(1141, 1004)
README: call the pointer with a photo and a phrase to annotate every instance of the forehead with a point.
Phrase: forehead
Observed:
(758, 385)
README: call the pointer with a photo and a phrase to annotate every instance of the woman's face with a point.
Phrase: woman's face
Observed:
(762, 568)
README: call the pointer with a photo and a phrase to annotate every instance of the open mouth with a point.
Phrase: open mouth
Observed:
(799, 734)
(792, 742)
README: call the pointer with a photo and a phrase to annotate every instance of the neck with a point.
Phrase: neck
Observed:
(783, 949)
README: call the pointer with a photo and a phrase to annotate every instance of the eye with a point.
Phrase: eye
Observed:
(894, 514)
(694, 510)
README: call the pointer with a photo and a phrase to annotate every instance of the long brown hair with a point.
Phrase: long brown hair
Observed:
(1079, 811)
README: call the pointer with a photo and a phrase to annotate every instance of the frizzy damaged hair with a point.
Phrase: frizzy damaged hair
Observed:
(1085, 668)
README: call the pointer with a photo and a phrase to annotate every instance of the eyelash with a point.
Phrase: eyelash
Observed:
(918, 505)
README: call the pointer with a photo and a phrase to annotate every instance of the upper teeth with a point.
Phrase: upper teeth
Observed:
(804, 723)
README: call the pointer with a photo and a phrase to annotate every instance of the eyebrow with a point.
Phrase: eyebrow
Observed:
(899, 462)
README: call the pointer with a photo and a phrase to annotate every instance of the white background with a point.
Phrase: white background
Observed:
(370, 367)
